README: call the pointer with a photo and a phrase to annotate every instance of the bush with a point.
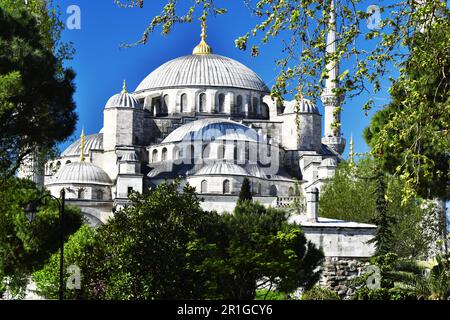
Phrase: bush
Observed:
(272, 295)
(320, 293)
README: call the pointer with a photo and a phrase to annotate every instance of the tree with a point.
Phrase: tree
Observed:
(352, 195)
(25, 246)
(252, 249)
(246, 193)
(383, 237)
(164, 246)
(36, 105)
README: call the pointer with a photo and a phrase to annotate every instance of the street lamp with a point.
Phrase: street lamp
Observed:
(31, 210)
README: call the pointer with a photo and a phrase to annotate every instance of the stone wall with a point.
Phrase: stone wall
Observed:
(337, 273)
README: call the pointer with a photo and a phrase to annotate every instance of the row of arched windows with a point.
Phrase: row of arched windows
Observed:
(160, 106)
(226, 186)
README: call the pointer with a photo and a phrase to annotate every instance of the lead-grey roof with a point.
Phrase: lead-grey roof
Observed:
(210, 129)
(81, 173)
(210, 70)
(91, 142)
(303, 106)
(222, 168)
(123, 100)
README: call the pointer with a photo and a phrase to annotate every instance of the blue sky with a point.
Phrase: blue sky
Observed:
(102, 65)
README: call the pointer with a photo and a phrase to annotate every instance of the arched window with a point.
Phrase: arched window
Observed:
(226, 187)
(81, 193)
(221, 151)
(50, 168)
(202, 102)
(239, 104)
(291, 192)
(259, 189)
(58, 165)
(99, 194)
(235, 151)
(221, 103)
(155, 155)
(183, 102)
(273, 190)
(265, 111)
(68, 161)
(166, 104)
(164, 154)
(192, 154)
(176, 153)
(204, 187)
(156, 106)
(255, 105)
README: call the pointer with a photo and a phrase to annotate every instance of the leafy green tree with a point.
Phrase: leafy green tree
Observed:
(25, 246)
(36, 105)
(246, 192)
(164, 246)
(252, 249)
(352, 195)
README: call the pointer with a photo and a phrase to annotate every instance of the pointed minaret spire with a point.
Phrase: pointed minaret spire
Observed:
(332, 101)
(82, 146)
(124, 87)
(203, 47)
(352, 151)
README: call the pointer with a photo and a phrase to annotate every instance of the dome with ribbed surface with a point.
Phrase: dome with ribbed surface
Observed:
(130, 156)
(305, 106)
(329, 162)
(123, 100)
(81, 173)
(208, 70)
(213, 129)
(91, 142)
(222, 168)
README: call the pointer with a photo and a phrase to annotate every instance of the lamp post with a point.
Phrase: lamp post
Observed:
(31, 210)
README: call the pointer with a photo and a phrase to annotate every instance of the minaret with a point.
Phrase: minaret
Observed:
(124, 87)
(331, 101)
(351, 154)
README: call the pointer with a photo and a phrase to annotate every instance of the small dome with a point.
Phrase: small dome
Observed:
(222, 168)
(329, 162)
(213, 129)
(91, 142)
(130, 156)
(123, 100)
(305, 106)
(81, 173)
(202, 70)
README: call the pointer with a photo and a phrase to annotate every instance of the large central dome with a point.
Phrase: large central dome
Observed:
(207, 70)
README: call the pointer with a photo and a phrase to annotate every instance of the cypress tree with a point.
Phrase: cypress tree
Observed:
(245, 194)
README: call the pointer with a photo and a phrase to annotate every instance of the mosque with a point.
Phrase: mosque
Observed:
(210, 121)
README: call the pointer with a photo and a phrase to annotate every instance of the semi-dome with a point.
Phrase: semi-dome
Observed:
(202, 70)
(123, 100)
(210, 129)
(91, 142)
(329, 162)
(81, 173)
(305, 106)
(130, 156)
(222, 168)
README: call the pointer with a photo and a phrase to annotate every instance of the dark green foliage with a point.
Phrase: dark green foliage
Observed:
(36, 105)
(25, 246)
(384, 294)
(265, 294)
(320, 293)
(383, 238)
(164, 246)
(254, 244)
(352, 195)
(246, 192)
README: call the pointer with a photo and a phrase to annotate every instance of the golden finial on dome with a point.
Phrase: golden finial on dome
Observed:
(124, 87)
(203, 47)
(82, 145)
(352, 151)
